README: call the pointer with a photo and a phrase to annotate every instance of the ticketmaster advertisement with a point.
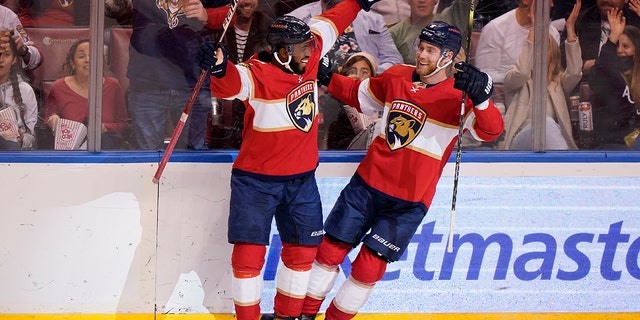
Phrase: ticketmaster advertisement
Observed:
(521, 244)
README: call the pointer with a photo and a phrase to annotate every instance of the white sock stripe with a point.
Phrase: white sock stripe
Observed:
(246, 290)
(290, 282)
(352, 295)
(321, 281)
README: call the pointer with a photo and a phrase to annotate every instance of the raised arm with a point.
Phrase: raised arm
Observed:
(573, 72)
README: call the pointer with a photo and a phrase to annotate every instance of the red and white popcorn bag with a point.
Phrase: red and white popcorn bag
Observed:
(70, 135)
(9, 124)
(359, 121)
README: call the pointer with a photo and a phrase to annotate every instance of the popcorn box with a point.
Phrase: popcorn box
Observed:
(9, 124)
(70, 135)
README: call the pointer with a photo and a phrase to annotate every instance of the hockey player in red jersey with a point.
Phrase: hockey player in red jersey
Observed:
(274, 172)
(392, 189)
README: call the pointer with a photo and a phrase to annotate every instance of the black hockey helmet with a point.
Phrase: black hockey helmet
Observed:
(443, 35)
(286, 30)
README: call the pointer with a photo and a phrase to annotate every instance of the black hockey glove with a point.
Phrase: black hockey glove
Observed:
(206, 59)
(366, 4)
(324, 71)
(477, 84)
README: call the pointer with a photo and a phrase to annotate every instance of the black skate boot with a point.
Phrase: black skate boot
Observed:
(304, 317)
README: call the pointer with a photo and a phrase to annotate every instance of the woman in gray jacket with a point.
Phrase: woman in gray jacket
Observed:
(518, 85)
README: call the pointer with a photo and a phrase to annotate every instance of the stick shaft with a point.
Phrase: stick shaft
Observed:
(459, 142)
(228, 18)
(178, 130)
(187, 109)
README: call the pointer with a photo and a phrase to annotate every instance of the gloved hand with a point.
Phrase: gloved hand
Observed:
(366, 4)
(207, 60)
(324, 71)
(477, 84)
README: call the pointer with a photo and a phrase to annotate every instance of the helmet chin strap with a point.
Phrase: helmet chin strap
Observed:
(438, 67)
(285, 64)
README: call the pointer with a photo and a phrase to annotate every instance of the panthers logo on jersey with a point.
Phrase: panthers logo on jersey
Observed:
(173, 8)
(404, 123)
(301, 106)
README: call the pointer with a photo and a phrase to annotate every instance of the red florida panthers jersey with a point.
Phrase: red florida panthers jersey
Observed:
(418, 132)
(280, 135)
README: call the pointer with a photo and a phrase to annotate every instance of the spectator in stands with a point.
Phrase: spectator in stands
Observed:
(38, 13)
(489, 10)
(244, 39)
(503, 38)
(615, 82)
(368, 33)
(405, 32)
(345, 122)
(248, 34)
(162, 72)
(68, 98)
(18, 107)
(393, 11)
(119, 10)
(10, 27)
(518, 83)
(593, 29)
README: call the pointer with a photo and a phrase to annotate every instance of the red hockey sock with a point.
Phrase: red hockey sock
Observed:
(287, 306)
(247, 312)
(334, 314)
(311, 306)
(292, 279)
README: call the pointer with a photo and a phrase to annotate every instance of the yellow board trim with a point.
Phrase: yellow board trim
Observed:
(362, 316)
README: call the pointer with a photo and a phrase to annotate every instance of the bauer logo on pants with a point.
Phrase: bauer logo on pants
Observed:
(301, 106)
(404, 124)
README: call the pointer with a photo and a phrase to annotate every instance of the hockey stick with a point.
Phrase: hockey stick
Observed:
(194, 93)
(456, 174)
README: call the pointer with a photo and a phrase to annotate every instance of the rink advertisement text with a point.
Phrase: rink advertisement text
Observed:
(607, 255)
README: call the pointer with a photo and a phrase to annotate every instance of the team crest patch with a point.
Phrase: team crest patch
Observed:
(301, 106)
(173, 9)
(404, 123)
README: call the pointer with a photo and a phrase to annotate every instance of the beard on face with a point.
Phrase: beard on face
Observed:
(423, 70)
(297, 67)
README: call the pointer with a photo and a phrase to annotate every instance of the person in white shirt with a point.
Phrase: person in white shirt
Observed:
(10, 26)
(392, 11)
(368, 33)
(503, 38)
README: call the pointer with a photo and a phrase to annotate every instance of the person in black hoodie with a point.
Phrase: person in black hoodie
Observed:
(592, 28)
(615, 82)
(162, 72)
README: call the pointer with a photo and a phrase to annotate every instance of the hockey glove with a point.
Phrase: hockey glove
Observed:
(324, 71)
(477, 84)
(207, 60)
(366, 4)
